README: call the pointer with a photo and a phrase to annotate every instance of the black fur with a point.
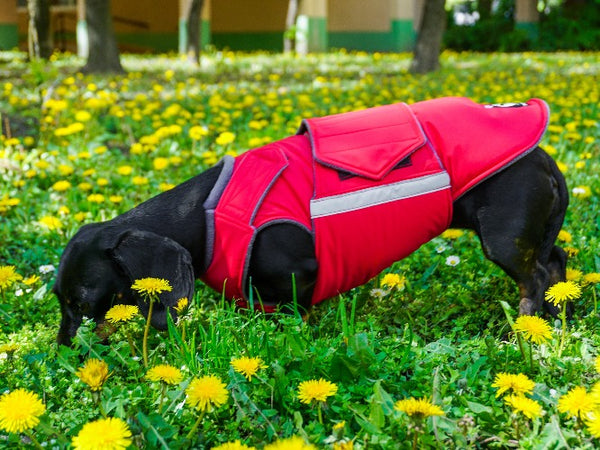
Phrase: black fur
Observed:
(517, 214)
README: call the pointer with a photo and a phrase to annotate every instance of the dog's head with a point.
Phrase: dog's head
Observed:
(99, 266)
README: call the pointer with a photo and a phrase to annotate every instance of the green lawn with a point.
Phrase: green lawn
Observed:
(80, 149)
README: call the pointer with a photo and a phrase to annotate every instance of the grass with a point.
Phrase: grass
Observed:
(81, 149)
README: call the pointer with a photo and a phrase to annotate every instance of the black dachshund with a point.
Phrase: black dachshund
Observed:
(323, 211)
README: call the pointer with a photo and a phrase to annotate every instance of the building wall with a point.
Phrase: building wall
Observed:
(359, 15)
(9, 37)
(248, 24)
(146, 25)
(140, 25)
(156, 25)
(376, 25)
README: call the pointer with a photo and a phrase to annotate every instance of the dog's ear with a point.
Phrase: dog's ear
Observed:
(142, 254)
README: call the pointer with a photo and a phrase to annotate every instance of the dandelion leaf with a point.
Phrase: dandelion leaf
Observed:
(554, 437)
(381, 405)
(157, 431)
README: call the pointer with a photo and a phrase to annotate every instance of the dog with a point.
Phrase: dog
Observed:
(321, 212)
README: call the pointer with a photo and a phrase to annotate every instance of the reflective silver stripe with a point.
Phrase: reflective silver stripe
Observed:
(364, 198)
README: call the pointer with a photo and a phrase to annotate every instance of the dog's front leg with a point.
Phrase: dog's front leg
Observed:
(283, 266)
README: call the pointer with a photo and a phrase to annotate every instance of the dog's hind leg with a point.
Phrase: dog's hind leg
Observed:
(517, 253)
(517, 215)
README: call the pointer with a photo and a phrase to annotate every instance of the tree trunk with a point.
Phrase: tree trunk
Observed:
(39, 38)
(103, 51)
(289, 35)
(426, 57)
(194, 29)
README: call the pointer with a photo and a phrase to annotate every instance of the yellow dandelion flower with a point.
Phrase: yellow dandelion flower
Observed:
(197, 132)
(124, 170)
(581, 192)
(235, 445)
(452, 233)
(42, 164)
(165, 373)
(574, 274)
(526, 406)
(225, 138)
(393, 281)
(247, 366)
(206, 392)
(166, 186)
(121, 313)
(104, 434)
(517, 383)
(9, 348)
(6, 202)
(535, 329)
(592, 424)
(565, 236)
(578, 402)
(80, 216)
(140, 181)
(317, 390)
(563, 291)
(343, 445)
(20, 410)
(51, 223)
(151, 286)
(418, 407)
(291, 443)
(93, 373)
(96, 198)
(61, 186)
(83, 116)
(595, 391)
(209, 158)
(591, 278)
(339, 426)
(160, 163)
(65, 170)
(181, 305)
(8, 276)
(571, 251)
(31, 280)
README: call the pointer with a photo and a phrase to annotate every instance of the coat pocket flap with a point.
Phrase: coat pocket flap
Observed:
(367, 143)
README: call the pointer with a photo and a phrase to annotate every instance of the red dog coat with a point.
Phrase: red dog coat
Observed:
(371, 186)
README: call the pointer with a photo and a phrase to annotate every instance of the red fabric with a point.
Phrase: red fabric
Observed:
(345, 154)
(475, 141)
(283, 171)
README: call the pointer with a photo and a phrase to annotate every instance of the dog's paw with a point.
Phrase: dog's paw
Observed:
(528, 307)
